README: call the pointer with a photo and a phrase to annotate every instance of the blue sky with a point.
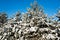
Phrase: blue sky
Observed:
(12, 6)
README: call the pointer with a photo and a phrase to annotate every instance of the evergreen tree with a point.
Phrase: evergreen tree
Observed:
(18, 16)
(58, 15)
(3, 18)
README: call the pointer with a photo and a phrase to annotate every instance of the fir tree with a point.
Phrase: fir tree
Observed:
(18, 16)
(3, 18)
(58, 15)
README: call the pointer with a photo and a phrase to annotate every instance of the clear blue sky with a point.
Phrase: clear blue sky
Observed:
(12, 6)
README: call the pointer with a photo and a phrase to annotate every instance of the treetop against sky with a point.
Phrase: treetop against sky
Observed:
(12, 6)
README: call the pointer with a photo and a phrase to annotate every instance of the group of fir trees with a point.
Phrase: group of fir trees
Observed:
(32, 12)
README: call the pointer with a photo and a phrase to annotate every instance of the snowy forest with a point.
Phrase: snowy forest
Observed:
(32, 25)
